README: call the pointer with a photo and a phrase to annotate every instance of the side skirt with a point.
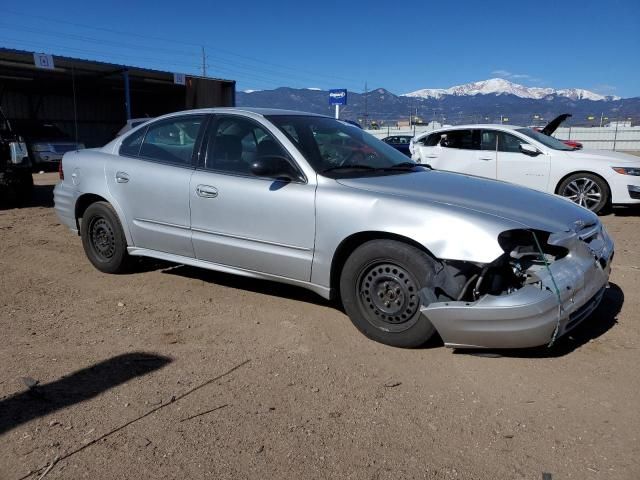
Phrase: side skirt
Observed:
(324, 292)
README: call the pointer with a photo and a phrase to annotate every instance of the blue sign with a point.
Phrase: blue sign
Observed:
(338, 96)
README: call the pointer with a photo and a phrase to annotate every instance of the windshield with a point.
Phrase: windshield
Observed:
(335, 148)
(544, 139)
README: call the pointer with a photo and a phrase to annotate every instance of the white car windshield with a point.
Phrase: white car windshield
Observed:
(546, 140)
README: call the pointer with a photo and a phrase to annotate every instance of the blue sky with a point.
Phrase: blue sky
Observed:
(402, 46)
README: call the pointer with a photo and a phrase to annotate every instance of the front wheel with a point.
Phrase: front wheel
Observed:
(103, 239)
(587, 190)
(379, 288)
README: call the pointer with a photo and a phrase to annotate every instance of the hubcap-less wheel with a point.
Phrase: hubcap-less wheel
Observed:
(102, 238)
(583, 191)
(389, 296)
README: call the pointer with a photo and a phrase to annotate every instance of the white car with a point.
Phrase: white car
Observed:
(594, 179)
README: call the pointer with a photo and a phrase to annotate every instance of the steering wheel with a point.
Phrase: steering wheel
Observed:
(347, 160)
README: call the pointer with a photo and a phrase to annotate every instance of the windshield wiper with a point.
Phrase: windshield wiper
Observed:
(348, 166)
(405, 166)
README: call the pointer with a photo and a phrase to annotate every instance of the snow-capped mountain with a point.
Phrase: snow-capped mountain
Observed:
(500, 86)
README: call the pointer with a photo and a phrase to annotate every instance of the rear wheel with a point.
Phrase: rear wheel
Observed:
(103, 238)
(587, 190)
(379, 287)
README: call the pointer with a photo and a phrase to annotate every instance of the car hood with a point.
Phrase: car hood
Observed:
(529, 208)
(605, 156)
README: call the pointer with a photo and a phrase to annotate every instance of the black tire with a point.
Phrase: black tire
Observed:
(103, 239)
(587, 190)
(379, 287)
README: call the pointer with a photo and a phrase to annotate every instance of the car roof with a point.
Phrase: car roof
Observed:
(474, 126)
(255, 110)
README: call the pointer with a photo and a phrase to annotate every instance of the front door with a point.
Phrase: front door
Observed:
(249, 222)
(517, 167)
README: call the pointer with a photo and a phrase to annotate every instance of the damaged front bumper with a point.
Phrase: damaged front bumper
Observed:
(530, 316)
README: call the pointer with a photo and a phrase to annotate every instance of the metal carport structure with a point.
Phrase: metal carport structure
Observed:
(92, 100)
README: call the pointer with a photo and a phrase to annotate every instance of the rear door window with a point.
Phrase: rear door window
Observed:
(172, 140)
(131, 145)
(433, 139)
(461, 139)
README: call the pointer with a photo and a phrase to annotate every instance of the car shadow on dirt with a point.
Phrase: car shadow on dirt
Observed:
(41, 196)
(631, 211)
(40, 400)
(596, 325)
(265, 287)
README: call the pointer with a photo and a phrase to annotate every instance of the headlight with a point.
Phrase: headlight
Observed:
(635, 171)
(522, 243)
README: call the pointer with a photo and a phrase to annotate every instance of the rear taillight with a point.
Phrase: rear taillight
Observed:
(60, 170)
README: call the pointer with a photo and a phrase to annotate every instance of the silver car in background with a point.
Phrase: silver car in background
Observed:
(311, 201)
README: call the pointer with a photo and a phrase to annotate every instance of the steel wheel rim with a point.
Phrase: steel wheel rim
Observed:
(583, 191)
(388, 294)
(102, 238)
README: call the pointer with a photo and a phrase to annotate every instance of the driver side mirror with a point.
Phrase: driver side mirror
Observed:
(529, 149)
(274, 166)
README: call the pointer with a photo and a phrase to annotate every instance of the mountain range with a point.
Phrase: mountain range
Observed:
(484, 101)
(500, 86)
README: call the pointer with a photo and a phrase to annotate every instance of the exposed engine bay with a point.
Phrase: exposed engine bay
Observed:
(541, 287)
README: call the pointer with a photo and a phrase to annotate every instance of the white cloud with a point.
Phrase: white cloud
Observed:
(507, 75)
(604, 89)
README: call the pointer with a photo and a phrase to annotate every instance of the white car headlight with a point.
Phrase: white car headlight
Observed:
(635, 171)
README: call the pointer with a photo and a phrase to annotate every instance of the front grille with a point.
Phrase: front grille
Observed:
(634, 192)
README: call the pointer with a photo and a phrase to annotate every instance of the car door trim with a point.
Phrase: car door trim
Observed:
(164, 224)
(248, 239)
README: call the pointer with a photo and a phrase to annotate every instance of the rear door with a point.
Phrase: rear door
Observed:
(461, 151)
(517, 167)
(150, 182)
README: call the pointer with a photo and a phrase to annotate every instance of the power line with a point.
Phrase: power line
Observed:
(176, 41)
(234, 66)
(100, 41)
(110, 55)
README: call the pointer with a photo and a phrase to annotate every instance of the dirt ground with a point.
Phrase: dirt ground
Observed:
(134, 378)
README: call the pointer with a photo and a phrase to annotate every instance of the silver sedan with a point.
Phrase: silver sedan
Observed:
(311, 201)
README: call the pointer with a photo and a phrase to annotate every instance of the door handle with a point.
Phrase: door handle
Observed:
(431, 156)
(206, 191)
(122, 177)
(486, 159)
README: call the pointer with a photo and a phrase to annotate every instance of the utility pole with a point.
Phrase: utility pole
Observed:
(366, 111)
(204, 63)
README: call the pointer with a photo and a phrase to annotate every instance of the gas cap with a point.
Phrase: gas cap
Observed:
(75, 176)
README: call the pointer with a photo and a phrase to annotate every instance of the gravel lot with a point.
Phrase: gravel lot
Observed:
(132, 382)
